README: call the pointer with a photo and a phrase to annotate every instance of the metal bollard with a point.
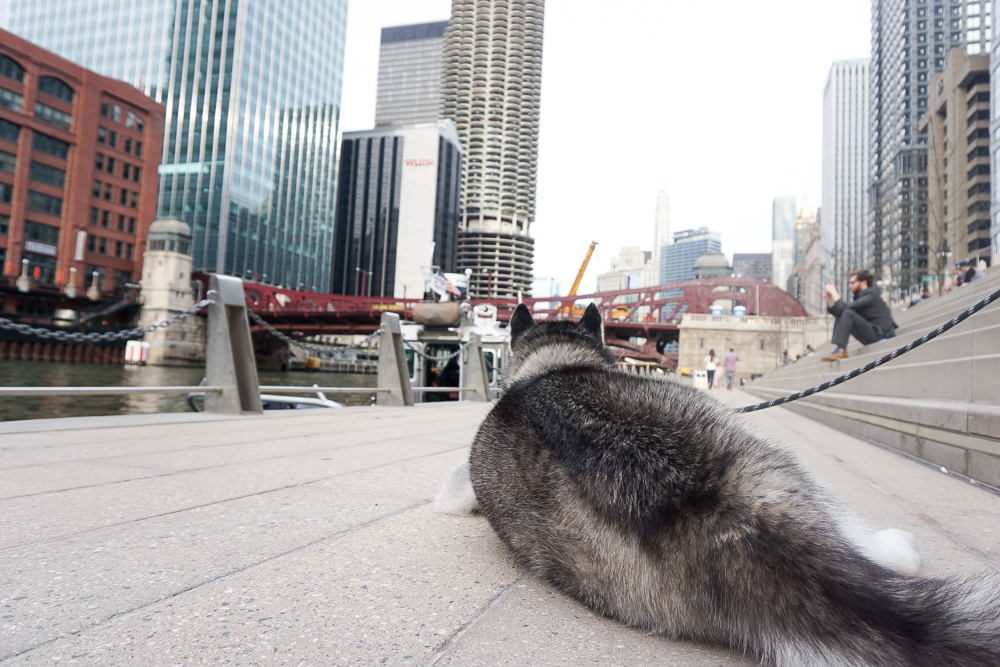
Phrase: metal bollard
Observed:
(475, 375)
(393, 373)
(229, 357)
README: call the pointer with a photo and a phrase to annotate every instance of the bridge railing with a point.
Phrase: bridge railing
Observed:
(231, 385)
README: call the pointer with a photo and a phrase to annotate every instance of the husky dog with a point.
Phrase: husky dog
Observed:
(654, 505)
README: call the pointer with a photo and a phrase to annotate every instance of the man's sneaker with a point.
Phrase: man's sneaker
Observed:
(838, 354)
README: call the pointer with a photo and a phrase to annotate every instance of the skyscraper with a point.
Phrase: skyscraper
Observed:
(409, 74)
(782, 240)
(677, 259)
(491, 89)
(661, 228)
(397, 211)
(909, 42)
(995, 146)
(252, 91)
(844, 234)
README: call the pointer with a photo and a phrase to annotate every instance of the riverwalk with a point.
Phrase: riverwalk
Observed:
(300, 537)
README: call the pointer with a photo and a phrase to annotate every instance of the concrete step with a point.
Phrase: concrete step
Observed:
(901, 403)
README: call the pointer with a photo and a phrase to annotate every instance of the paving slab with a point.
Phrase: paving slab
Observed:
(312, 540)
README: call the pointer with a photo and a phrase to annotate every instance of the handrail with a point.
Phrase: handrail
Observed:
(98, 391)
(281, 389)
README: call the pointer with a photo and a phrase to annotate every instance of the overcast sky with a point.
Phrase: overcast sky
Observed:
(721, 101)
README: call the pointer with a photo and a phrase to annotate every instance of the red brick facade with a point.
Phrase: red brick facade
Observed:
(79, 154)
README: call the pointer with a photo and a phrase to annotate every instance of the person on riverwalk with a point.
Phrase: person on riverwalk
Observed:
(867, 317)
(966, 272)
(711, 364)
(730, 363)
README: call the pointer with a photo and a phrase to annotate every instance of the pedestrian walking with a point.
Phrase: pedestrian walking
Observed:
(711, 364)
(730, 364)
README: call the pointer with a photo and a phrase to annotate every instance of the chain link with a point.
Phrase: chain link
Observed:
(451, 356)
(322, 350)
(78, 337)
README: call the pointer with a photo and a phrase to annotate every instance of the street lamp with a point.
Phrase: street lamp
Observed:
(946, 254)
(22, 282)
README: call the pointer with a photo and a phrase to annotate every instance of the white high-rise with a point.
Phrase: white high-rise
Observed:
(661, 232)
(844, 225)
(491, 83)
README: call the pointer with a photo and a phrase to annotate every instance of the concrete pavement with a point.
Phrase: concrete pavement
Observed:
(308, 537)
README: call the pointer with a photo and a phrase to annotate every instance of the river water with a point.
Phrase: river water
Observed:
(55, 374)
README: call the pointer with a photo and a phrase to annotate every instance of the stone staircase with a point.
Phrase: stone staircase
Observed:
(939, 402)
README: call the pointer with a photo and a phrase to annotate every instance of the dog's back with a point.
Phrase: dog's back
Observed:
(654, 505)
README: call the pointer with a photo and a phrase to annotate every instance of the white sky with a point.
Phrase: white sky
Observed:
(721, 101)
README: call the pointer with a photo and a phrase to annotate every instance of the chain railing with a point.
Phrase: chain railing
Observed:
(80, 337)
(322, 350)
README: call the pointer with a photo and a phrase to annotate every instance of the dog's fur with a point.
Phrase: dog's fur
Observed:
(653, 504)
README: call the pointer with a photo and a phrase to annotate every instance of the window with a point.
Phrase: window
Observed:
(108, 191)
(116, 113)
(105, 219)
(36, 201)
(11, 100)
(136, 174)
(127, 144)
(133, 199)
(138, 149)
(91, 244)
(102, 135)
(121, 278)
(4, 224)
(56, 88)
(36, 231)
(130, 119)
(121, 222)
(10, 69)
(111, 165)
(50, 145)
(124, 197)
(41, 267)
(113, 140)
(94, 216)
(126, 167)
(131, 225)
(102, 245)
(53, 116)
(43, 173)
(140, 125)
(119, 247)
(8, 161)
(105, 109)
(9, 131)
(97, 189)
(129, 251)
(99, 161)
(6, 193)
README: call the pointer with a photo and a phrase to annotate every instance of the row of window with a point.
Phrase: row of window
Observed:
(128, 171)
(114, 112)
(110, 138)
(106, 191)
(99, 217)
(102, 244)
(49, 85)
(36, 201)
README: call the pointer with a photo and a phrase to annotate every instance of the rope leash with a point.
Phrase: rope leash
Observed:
(931, 335)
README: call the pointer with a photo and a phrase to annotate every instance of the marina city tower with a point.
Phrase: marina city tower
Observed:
(491, 83)
(252, 90)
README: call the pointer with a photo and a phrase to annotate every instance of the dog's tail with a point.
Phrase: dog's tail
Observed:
(889, 620)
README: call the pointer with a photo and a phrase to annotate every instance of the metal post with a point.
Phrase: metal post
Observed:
(474, 373)
(229, 358)
(393, 373)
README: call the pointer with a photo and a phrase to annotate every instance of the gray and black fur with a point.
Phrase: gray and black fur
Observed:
(653, 504)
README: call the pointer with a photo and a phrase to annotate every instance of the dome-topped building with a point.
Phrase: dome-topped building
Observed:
(712, 265)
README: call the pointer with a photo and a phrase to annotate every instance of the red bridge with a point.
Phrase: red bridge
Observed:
(640, 323)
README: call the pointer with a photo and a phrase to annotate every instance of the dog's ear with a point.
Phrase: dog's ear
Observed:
(592, 323)
(520, 322)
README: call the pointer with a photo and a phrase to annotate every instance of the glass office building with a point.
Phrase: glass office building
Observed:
(252, 89)
(677, 259)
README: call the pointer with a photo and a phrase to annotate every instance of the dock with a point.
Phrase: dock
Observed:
(308, 537)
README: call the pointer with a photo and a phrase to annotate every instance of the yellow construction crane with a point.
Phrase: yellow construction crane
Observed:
(579, 277)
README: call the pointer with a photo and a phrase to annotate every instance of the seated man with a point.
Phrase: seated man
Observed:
(966, 272)
(867, 317)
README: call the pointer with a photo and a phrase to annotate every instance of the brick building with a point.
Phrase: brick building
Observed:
(78, 181)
